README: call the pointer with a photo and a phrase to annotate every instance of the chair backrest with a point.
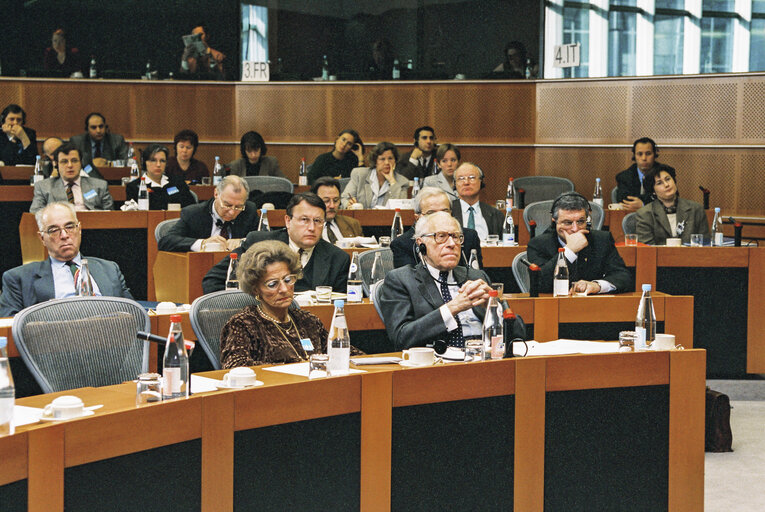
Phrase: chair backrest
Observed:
(269, 184)
(541, 188)
(540, 213)
(367, 259)
(163, 228)
(82, 341)
(375, 295)
(613, 194)
(629, 223)
(195, 196)
(343, 183)
(521, 272)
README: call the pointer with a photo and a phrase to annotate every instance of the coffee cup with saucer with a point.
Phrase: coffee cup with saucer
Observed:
(65, 407)
(239, 377)
(418, 356)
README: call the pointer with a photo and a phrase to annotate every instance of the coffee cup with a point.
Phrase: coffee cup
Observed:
(663, 342)
(64, 407)
(239, 377)
(674, 242)
(419, 356)
(165, 308)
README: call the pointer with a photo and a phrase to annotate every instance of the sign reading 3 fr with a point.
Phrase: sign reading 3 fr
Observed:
(254, 71)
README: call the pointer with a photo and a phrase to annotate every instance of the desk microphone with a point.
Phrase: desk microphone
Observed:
(737, 227)
(147, 336)
(705, 191)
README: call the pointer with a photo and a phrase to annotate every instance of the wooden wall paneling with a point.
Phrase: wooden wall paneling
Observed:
(582, 165)
(749, 186)
(13, 91)
(755, 348)
(752, 103)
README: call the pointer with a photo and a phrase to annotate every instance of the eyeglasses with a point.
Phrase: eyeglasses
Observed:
(442, 236)
(429, 212)
(226, 206)
(471, 179)
(55, 231)
(304, 221)
(289, 280)
(568, 223)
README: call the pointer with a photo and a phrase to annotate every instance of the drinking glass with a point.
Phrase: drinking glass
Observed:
(317, 366)
(627, 341)
(148, 389)
(697, 240)
(492, 240)
(384, 241)
(324, 294)
(501, 205)
(474, 350)
(630, 240)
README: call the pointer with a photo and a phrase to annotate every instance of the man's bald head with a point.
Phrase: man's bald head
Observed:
(50, 145)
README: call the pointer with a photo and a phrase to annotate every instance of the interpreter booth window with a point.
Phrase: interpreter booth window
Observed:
(669, 37)
(757, 42)
(717, 24)
(576, 29)
(622, 35)
(254, 33)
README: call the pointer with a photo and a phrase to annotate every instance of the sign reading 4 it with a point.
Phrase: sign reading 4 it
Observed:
(566, 55)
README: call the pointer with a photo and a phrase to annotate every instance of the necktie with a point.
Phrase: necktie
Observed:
(471, 218)
(72, 268)
(69, 193)
(300, 256)
(97, 154)
(225, 228)
(454, 338)
(330, 234)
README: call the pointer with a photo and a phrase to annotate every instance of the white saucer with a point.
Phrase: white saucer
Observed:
(224, 386)
(49, 419)
(409, 364)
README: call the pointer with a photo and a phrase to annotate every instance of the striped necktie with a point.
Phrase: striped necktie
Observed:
(330, 234)
(69, 193)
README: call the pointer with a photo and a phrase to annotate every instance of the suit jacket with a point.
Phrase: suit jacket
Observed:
(628, 184)
(653, 225)
(53, 189)
(160, 197)
(196, 223)
(32, 283)
(493, 217)
(411, 171)
(114, 147)
(349, 226)
(403, 248)
(599, 260)
(360, 189)
(328, 265)
(439, 181)
(409, 301)
(269, 166)
(9, 151)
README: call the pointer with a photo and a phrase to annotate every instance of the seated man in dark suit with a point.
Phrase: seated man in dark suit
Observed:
(18, 144)
(82, 191)
(323, 263)
(97, 145)
(337, 226)
(630, 191)
(420, 162)
(53, 278)
(594, 264)
(225, 219)
(437, 300)
(162, 189)
(468, 211)
(431, 200)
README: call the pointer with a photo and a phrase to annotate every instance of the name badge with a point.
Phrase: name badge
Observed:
(307, 345)
(90, 194)
(172, 190)
(88, 168)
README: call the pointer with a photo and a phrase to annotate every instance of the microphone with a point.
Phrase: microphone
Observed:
(532, 228)
(147, 336)
(521, 198)
(705, 191)
(439, 346)
(525, 262)
(507, 332)
(737, 228)
(534, 273)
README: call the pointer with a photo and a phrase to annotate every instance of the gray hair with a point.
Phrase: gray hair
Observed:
(570, 201)
(235, 181)
(252, 266)
(425, 223)
(40, 214)
(470, 164)
(425, 193)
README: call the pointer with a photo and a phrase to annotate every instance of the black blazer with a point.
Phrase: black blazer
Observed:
(9, 151)
(628, 184)
(196, 223)
(493, 217)
(599, 260)
(176, 191)
(113, 147)
(403, 248)
(411, 171)
(328, 265)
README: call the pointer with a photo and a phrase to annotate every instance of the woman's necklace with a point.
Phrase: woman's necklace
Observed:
(283, 332)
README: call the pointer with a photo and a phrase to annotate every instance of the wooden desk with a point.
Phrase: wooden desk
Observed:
(247, 443)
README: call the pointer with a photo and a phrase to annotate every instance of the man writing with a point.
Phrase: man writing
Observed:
(53, 278)
(468, 211)
(420, 161)
(336, 226)
(630, 191)
(323, 263)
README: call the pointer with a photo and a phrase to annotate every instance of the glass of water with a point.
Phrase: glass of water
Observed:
(697, 240)
(627, 341)
(474, 350)
(317, 366)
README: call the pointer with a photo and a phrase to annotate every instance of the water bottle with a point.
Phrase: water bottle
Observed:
(717, 234)
(175, 364)
(510, 196)
(93, 71)
(397, 228)
(38, 175)
(263, 223)
(302, 174)
(597, 195)
(324, 68)
(527, 70)
(354, 290)
(560, 279)
(217, 171)
(493, 340)
(147, 73)
(135, 171)
(83, 282)
(508, 229)
(338, 343)
(645, 322)
(378, 271)
(473, 261)
(409, 64)
(7, 391)
(416, 187)
(232, 283)
(131, 151)
(396, 75)
(143, 194)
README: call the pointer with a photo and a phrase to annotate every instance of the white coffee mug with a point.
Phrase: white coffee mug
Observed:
(64, 407)
(420, 356)
(674, 242)
(663, 342)
(239, 377)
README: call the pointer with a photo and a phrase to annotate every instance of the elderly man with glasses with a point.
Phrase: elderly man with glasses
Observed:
(225, 219)
(594, 264)
(468, 211)
(53, 278)
(323, 263)
(437, 299)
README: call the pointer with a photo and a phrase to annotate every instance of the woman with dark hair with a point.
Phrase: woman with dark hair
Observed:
(374, 185)
(668, 215)
(254, 161)
(183, 165)
(448, 157)
(347, 154)
(61, 58)
(162, 189)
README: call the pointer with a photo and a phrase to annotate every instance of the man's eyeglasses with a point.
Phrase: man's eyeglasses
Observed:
(471, 179)
(226, 206)
(568, 223)
(55, 231)
(289, 280)
(304, 221)
(442, 236)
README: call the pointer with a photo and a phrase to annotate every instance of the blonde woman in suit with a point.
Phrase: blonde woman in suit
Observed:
(448, 157)
(374, 185)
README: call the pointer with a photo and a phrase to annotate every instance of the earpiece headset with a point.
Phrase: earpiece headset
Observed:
(421, 250)
(480, 176)
(87, 118)
(572, 194)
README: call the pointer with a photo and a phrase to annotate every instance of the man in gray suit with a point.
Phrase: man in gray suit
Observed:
(82, 191)
(53, 278)
(97, 145)
(438, 300)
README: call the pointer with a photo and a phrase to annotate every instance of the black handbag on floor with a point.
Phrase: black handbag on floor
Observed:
(717, 436)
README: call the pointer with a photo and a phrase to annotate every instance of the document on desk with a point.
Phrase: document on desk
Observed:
(299, 369)
(564, 346)
(23, 415)
(201, 384)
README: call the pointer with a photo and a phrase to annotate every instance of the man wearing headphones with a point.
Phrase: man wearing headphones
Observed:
(468, 211)
(420, 162)
(437, 299)
(97, 145)
(594, 264)
(18, 144)
(630, 191)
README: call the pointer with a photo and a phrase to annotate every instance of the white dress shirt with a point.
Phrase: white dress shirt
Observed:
(305, 257)
(335, 229)
(480, 222)
(63, 280)
(379, 193)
